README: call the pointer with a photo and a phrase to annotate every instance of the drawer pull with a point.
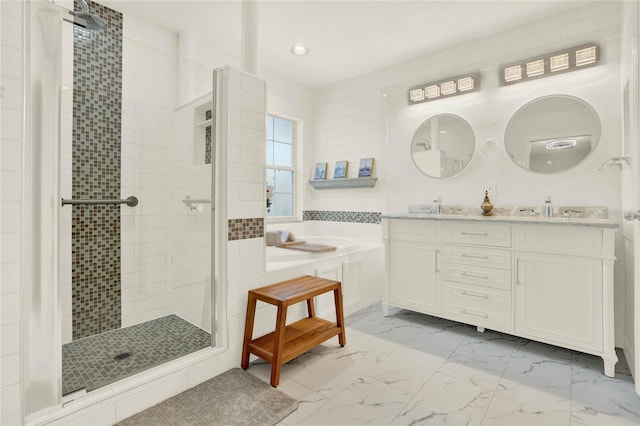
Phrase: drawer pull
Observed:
(481, 296)
(474, 256)
(467, 274)
(485, 316)
(478, 234)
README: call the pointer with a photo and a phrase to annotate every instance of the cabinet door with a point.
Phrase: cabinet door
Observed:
(414, 276)
(559, 298)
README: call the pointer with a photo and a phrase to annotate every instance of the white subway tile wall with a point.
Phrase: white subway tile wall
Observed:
(149, 98)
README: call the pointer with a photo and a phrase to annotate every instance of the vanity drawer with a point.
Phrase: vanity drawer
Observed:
(579, 240)
(428, 231)
(478, 306)
(498, 235)
(479, 256)
(478, 275)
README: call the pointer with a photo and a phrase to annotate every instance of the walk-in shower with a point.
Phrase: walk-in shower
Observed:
(121, 269)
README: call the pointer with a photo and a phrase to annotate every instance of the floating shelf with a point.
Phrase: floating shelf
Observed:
(364, 182)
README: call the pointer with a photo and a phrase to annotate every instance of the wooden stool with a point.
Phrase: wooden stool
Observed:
(288, 342)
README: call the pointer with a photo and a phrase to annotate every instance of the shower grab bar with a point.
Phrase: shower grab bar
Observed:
(188, 201)
(130, 201)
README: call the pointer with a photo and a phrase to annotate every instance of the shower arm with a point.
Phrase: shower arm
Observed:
(129, 201)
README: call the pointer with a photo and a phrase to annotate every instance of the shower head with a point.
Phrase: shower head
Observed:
(87, 19)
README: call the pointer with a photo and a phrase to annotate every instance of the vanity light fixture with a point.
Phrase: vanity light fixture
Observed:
(432, 91)
(416, 95)
(535, 68)
(554, 63)
(444, 88)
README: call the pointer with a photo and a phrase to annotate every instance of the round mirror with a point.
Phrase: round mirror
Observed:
(552, 134)
(443, 146)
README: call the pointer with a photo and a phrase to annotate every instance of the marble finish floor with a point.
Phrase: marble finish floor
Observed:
(409, 369)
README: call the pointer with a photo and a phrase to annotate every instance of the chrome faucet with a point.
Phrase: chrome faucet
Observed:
(532, 212)
(438, 202)
(567, 212)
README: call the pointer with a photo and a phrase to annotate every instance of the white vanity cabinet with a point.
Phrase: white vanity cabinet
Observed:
(477, 275)
(547, 282)
(414, 266)
(563, 290)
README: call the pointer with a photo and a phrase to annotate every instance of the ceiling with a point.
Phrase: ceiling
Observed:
(345, 38)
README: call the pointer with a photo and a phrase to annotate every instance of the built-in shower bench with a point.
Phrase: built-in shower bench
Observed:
(289, 341)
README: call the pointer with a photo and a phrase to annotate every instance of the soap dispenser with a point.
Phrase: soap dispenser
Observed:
(548, 207)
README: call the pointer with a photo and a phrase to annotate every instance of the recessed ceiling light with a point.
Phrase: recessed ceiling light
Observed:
(299, 50)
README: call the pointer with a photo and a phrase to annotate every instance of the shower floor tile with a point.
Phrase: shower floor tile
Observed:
(92, 362)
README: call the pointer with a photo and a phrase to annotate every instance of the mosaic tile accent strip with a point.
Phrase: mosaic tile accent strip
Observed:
(91, 363)
(208, 115)
(207, 145)
(338, 216)
(96, 163)
(242, 229)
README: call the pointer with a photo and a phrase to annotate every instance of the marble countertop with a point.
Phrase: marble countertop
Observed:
(564, 221)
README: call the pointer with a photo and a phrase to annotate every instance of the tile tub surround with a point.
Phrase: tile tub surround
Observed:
(411, 368)
(242, 229)
(342, 216)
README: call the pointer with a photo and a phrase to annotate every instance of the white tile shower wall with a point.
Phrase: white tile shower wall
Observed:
(11, 205)
(246, 149)
(149, 90)
(190, 229)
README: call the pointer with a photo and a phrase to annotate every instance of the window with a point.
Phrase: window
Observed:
(280, 166)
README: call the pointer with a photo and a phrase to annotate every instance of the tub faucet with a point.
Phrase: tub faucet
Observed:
(531, 212)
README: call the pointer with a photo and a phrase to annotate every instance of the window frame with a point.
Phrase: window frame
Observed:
(296, 160)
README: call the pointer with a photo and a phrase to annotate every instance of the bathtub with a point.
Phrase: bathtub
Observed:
(357, 262)
(277, 255)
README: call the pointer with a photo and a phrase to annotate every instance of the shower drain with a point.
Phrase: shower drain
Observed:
(122, 356)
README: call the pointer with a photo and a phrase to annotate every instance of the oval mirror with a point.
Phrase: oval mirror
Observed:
(552, 134)
(443, 146)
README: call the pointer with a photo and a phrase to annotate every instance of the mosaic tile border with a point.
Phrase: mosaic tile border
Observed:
(243, 229)
(342, 216)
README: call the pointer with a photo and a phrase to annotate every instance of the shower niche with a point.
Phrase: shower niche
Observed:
(202, 132)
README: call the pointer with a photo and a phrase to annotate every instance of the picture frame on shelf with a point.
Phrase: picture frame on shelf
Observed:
(366, 167)
(320, 172)
(341, 170)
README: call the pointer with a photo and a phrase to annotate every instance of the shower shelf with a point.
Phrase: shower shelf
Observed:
(205, 123)
(364, 182)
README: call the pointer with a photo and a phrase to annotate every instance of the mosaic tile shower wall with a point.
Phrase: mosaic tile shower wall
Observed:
(337, 216)
(97, 105)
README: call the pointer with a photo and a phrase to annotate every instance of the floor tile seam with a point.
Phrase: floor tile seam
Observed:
(411, 397)
(402, 390)
(495, 389)
(326, 400)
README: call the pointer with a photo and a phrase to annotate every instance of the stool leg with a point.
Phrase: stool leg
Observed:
(310, 308)
(278, 344)
(337, 296)
(248, 330)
